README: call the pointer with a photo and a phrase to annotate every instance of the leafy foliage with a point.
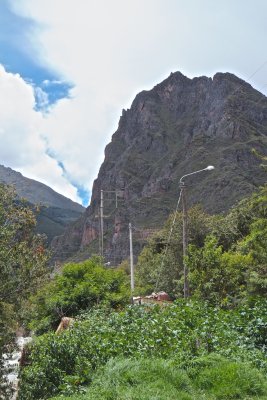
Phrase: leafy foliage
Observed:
(78, 287)
(160, 264)
(22, 262)
(255, 245)
(182, 331)
(217, 338)
(227, 255)
(211, 378)
(232, 264)
(22, 254)
(218, 276)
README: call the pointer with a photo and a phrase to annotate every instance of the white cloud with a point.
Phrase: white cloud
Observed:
(101, 46)
(41, 98)
(21, 130)
(48, 82)
(111, 50)
(87, 45)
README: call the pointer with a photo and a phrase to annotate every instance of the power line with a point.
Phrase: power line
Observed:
(157, 162)
(257, 70)
(168, 241)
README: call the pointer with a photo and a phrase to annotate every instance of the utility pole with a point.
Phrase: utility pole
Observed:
(185, 238)
(131, 257)
(101, 223)
(116, 198)
(101, 216)
(185, 235)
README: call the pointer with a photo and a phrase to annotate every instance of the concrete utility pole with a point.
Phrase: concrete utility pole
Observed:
(131, 257)
(185, 238)
(102, 223)
(118, 194)
(185, 224)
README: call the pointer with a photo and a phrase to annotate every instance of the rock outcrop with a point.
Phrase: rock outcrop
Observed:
(179, 126)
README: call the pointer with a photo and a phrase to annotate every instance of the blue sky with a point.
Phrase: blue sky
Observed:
(68, 68)
(17, 57)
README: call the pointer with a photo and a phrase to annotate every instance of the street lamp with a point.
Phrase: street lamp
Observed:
(185, 239)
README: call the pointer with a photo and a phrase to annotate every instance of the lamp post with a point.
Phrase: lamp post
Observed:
(185, 237)
(131, 257)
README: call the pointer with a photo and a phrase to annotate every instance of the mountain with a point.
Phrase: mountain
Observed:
(56, 211)
(179, 126)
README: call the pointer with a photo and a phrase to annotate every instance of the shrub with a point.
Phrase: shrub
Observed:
(183, 331)
(212, 378)
(77, 288)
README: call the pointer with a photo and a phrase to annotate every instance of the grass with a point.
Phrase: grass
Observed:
(210, 378)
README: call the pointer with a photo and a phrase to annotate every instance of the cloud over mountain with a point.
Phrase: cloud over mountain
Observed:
(22, 132)
(86, 60)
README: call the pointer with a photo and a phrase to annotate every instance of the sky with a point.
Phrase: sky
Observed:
(69, 67)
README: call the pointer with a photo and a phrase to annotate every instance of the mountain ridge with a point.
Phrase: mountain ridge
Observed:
(56, 210)
(24, 187)
(179, 126)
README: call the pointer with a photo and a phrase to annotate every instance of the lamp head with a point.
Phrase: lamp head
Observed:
(209, 168)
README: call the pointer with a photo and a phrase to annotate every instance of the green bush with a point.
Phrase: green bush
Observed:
(226, 258)
(23, 266)
(217, 276)
(139, 379)
(231, 380)
(77, 288)
(158, 269)
(183, 332)
(212, 378)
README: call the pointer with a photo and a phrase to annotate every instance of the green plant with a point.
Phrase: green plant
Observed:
(226, 379)
(160, 264)
(78, 287)
(215, 275)
(23, 265)
(183, 331)
(212, 378)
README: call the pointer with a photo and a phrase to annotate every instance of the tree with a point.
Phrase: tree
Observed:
(216, 275)
(230, 264)
(23, 260)
(78, 287)
(160, 264)
(255, 245)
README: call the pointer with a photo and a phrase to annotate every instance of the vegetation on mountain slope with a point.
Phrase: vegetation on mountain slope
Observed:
(55, 211)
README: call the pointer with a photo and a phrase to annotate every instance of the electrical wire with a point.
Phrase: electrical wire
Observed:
(168, 241)
(153, 165)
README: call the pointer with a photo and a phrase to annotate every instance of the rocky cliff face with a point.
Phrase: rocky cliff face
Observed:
(179, 126)
(56, 211)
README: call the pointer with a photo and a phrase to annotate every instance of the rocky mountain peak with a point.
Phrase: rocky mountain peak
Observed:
(179, 126)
